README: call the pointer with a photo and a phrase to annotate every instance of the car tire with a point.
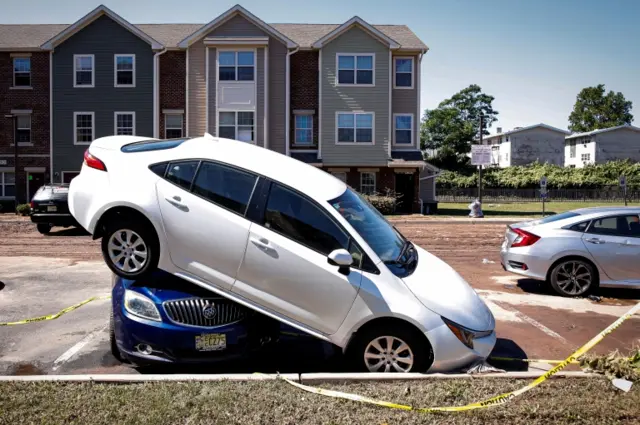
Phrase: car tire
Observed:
(417, 353)
(44, 228)
(112, 340)
(573, 277)
(138, 260)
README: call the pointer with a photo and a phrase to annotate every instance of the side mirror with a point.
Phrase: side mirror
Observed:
(341, 258)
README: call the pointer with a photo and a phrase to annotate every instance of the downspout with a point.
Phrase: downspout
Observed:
(288, 101)
(156, 91)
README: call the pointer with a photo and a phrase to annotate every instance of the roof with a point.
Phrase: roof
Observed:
(604, 130)
(357, 21)
(518, 130)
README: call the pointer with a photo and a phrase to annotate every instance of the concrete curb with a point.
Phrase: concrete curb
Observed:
(130, 379)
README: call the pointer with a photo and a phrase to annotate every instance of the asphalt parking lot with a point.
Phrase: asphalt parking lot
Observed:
(43, 274)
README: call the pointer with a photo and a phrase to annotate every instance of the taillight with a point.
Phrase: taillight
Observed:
(93, 162)
(32, 204)
(524, 238)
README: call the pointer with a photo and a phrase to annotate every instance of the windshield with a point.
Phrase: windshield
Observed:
(379, 234)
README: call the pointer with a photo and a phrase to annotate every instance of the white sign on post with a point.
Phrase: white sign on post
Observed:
(543, 182)
(623, 182)
(480, 155)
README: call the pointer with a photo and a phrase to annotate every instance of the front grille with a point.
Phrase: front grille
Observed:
(191, 312)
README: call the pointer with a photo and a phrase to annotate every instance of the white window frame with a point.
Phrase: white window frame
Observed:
(356, 143)
(93, 72)
(295, 130)
(413, 130)
(585, 157)
(236, 111)
(2, 184)
(16, 128)
(75, 127)
(413, 78)
(115, 70)
(355, 70)
(13, 64)
(255, 67)
(115, 121)
(375, 183)
(174, 128)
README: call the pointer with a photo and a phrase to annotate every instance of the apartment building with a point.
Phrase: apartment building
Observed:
(601, 146)
(342, 97)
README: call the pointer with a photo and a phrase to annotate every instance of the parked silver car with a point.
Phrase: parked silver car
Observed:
(577, 250)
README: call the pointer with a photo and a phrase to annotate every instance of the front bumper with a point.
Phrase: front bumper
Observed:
(450, 354)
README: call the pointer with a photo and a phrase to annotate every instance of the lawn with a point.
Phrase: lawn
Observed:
(559, 401)
(521, 209)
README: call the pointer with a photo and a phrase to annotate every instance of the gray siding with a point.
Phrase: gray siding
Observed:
(259, 116)
(405, 101)
(213, 79)
(197, 93)
(618, 144)
(538, 144)
(237, 26)
(103, 38)
(368, 99)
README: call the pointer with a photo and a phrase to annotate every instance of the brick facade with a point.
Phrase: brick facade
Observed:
(36, 99)
(173, 86)
(304, 88)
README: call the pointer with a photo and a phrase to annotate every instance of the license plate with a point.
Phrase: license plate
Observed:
(211, 342)
(52, 209)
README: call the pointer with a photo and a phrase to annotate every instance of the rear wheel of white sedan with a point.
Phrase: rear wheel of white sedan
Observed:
(130, 248)
(573, 277)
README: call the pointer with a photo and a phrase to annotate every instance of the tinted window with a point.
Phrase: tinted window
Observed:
(623, 225)
(181, 173)
(225, 186)
(159, 169)
(152, 145)
(580, 227)
(299, 219)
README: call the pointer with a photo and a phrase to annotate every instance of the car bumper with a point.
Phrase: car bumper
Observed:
(524, 264)
(451, 354)
(54, 219)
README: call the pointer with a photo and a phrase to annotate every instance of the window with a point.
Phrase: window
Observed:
(83, 123)
(572, 149)
(299, 219)
(173, 126)
(355, 69)
(236, 125)
(236, 66)
(621, 225)
(182, 173)
(83, 70)
(7, 184)
(403, 128)
(23, 128)
(580, 227)
(368, 183)
(572, 166)
(585, 157)
(225, 186)
(304, 130)
(340, 175)
(404, 73)
(125, 123)
(355, 127)
(125, 70)
(22, 72)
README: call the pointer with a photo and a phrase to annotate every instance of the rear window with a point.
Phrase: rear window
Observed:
(557, 217)
(152, 145)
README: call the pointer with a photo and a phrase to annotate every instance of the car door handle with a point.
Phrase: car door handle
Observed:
(595, 241)
(261, 243)
(176, 201)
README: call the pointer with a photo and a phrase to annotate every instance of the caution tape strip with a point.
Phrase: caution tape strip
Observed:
(493, 401)
(56, 315)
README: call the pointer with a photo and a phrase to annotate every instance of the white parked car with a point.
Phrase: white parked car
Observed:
(284, 238)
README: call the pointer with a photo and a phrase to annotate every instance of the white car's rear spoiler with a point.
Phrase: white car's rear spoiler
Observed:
(113, 143)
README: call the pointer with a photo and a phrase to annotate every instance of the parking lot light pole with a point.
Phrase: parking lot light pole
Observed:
(15, 160)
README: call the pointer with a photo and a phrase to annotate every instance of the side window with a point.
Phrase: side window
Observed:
(299, 219)
(225, 186)
(580, 227)
(182, 173)
(159, 169)
(623, 225)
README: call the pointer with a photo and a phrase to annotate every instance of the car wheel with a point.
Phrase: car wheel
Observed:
(130, 249)
(112, 341)
(390, 349)
(44, 228)
(573, 277)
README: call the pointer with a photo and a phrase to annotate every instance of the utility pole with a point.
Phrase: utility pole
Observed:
(480, 166)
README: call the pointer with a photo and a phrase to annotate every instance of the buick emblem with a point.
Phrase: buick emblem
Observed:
(209, 311)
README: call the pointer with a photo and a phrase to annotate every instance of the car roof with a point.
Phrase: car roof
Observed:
(602, 210)
(303, 177)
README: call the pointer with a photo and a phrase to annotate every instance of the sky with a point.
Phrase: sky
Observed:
(532, 56)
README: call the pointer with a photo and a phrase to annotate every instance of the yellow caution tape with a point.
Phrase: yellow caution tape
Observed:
(494, 401)
(55, 316)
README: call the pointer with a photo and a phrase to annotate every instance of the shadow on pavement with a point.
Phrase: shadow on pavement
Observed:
(73, 231)
(542, 288)
(509, 348)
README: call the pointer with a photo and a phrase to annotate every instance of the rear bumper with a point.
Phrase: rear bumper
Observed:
(536, 267)
(54, 219)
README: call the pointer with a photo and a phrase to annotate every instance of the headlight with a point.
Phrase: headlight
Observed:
(466, 336)
(141, 306)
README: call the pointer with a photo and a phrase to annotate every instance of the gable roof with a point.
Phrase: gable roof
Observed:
(604, 130)
(518, 130)
(27, 37)
(236, 10)
(357, 21)
(92, 16)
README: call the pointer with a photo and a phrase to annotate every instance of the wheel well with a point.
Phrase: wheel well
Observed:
(392, 321)
(574, 257)
(119, 213)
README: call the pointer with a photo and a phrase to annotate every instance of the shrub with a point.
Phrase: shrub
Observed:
(384, 203)
(23, 209)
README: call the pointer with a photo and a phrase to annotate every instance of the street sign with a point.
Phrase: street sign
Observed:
(480, 155)
(543, 182)
(623, 182)
(543, 195)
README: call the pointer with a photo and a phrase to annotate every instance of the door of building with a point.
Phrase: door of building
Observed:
(34, 182)
(405, 190)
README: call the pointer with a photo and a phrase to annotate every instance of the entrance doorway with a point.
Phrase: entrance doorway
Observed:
(405, 190)
(34, 182)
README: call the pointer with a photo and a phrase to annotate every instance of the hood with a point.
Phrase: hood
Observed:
(442, 290)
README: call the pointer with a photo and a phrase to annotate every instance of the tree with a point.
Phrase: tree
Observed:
(594, 110)
(451, 128)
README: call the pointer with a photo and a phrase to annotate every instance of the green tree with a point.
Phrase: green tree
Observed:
(451, 128)
(594, 110)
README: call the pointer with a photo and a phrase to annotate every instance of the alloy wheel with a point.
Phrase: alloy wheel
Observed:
(574, 278)
(127, 251)
(388, 354)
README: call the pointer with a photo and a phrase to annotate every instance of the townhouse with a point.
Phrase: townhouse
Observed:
(601, 146)
(342, 97)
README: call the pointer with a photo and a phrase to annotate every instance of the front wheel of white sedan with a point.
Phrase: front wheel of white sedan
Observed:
(573, 277)
(130, 248)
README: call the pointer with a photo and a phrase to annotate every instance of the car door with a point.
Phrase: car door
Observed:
(614, 243)
(285, 267)
(203, 206)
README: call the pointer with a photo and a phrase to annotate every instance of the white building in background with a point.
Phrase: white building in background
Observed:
(600, 146)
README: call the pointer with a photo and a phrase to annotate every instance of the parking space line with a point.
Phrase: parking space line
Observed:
(540, 326)
(67, 355)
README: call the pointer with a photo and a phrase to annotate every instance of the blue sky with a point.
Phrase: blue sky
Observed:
(533, 56)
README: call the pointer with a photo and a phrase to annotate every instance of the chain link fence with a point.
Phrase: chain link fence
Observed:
(613, 194)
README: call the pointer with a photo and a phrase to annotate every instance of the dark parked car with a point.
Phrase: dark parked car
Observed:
(49, 208)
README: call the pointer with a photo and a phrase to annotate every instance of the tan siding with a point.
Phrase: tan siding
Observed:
(259, 115)
(369, 99)
(213, 92)
(405, 101)
(537, 144)
(617, 144)
(277, 96)
(197, 90)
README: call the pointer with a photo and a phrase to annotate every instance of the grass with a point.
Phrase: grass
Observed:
(559, 401)
(519, 209)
